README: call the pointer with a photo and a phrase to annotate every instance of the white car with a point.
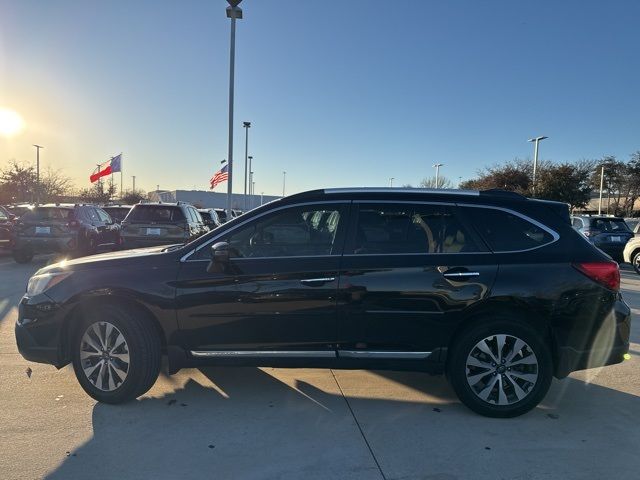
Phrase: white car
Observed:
(631, 253)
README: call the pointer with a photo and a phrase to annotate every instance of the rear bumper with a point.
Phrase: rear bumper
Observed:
(61, 244)
(612, 346)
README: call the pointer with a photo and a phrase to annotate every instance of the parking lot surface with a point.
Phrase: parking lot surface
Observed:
(265, 423)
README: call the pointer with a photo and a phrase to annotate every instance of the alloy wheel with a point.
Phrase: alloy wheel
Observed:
(502, 369)
(104, 356)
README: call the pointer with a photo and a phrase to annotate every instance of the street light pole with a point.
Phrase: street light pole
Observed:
(536, 140)
(247, 126)
(133, 190)
(437, 167)
(284, 181)
(391, 181)
(233, 12)
(251, 173)
(38, 147)
(601, 184)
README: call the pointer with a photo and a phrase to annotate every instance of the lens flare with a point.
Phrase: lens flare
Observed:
(11, 123)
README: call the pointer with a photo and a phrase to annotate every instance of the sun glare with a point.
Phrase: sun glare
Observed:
(11, 122)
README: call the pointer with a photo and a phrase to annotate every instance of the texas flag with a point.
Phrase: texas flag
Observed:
(112, 166)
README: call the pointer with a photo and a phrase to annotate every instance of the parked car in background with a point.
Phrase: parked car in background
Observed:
(210, 217)
(117, 212)
(634, 225)
(6, 229)
(631, 253)
(74, 229)
(18, 210)
(222, 214)
(494, 289)
(151, 224)
(609, 234)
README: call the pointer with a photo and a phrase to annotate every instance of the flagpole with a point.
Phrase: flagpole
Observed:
(120, 176)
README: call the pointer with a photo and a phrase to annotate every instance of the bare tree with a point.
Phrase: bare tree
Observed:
(430, 182)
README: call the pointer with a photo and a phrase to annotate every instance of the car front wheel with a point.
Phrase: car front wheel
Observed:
(635, 262)
(116, 354)
(500, 369)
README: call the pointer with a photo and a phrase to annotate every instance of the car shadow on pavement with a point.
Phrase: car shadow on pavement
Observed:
(251, 423)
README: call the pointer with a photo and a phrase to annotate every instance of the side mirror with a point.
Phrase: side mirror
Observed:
(219, 257)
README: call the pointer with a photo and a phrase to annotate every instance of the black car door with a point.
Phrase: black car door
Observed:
(276, 293)
(408, 271)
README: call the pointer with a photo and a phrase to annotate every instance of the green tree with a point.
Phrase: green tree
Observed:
(17, 183)
(566, 182)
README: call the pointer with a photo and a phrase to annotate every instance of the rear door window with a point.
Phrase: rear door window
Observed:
(507, 232)
(389, 228)
(104, 216)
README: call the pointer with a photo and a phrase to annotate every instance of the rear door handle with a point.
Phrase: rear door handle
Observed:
(316, 282)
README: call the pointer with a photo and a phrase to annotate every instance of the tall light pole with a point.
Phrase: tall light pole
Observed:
(233, 12)
(247, 126)
(437, 167)
(133, 190)
(38, 147)
(250, 173)
(391, 181)
(284, 181)
(536, 140)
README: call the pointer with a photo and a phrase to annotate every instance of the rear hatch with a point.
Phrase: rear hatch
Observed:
(46, 222)
(608, 231)
(156, 222)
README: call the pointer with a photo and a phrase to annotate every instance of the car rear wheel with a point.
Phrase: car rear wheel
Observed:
(23, 255)
(500, 369)
(116, 354)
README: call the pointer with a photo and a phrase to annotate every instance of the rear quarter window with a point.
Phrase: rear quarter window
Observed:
(507, 232)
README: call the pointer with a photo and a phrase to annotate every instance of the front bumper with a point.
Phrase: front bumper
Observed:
(609, 347)
(39, 331)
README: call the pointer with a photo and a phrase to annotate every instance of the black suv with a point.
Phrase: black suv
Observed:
(74, 229)
(6, 229)
(117, 212)
(494, 289)
(152, 224)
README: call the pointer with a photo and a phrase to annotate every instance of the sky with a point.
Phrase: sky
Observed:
(338, 94)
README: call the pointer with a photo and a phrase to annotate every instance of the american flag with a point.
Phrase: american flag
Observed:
(219, 177)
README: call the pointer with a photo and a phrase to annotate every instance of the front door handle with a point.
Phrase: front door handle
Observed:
(317, 282)
(460, 274)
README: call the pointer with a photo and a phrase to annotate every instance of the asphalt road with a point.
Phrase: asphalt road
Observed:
(251, 423)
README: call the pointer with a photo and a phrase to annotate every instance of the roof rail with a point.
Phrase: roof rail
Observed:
(498, 192)
(439, 191)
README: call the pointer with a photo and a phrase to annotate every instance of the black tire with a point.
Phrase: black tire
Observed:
(23, 255)
(465, 345)
(143, 346)
(635, 262)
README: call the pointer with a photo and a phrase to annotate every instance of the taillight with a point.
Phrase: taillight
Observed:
(605, 273)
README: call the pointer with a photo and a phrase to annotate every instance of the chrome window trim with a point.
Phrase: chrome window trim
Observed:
(185, 257)
(383, 354)
(263, 353)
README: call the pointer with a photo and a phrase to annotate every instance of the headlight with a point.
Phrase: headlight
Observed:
(41, 283)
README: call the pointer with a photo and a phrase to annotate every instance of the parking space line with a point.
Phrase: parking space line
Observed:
(359, 427)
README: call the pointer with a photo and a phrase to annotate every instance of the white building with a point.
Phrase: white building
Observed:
(205, 199)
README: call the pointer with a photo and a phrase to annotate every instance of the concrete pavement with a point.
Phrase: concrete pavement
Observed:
(251, 423)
